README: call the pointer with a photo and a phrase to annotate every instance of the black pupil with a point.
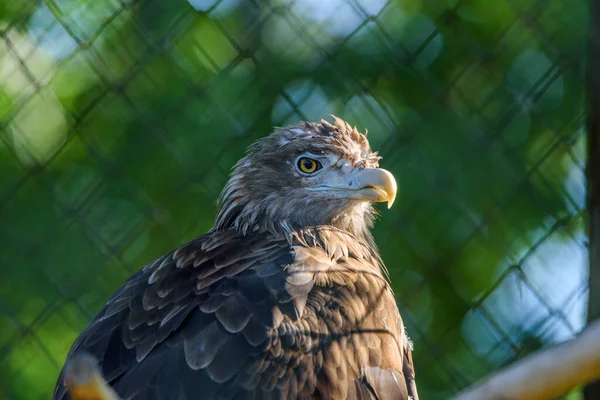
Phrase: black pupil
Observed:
(308, 164)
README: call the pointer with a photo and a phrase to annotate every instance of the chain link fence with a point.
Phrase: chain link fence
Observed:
(120, 120)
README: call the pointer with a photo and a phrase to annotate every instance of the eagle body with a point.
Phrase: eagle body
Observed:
(255, 309)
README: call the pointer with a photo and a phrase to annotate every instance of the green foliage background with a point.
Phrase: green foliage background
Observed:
(119, 121)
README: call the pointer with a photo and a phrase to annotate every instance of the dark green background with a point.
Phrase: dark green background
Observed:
(120, 120)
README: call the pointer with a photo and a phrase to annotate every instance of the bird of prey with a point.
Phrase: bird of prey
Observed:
(286, 297)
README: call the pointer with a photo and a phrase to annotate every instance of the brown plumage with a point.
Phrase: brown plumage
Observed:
(285, 298)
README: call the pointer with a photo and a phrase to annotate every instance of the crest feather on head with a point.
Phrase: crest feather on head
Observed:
(339, 137)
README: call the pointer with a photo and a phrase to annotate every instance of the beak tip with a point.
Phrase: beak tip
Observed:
(391, 200)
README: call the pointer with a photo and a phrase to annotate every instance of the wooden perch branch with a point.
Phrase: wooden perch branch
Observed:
(545, 374)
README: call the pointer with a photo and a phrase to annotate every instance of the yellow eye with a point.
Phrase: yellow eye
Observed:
(308, 165)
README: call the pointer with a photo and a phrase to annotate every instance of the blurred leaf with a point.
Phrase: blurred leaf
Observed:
(39, 129)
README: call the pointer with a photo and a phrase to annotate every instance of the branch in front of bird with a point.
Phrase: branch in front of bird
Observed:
(85, 381)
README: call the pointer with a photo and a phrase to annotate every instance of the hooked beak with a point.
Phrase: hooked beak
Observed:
(369, 184)
(376, 185)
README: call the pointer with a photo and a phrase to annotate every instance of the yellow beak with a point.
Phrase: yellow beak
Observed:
(377, 184)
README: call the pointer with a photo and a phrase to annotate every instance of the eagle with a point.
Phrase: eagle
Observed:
(285, 297)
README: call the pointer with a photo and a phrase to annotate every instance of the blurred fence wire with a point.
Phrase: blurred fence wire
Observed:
(119, 121)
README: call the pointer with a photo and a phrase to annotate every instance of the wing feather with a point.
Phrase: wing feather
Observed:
(203, 311)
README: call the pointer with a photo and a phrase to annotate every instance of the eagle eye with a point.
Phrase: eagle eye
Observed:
(308, 165)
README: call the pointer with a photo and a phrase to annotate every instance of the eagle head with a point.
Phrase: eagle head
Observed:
(305, 175)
